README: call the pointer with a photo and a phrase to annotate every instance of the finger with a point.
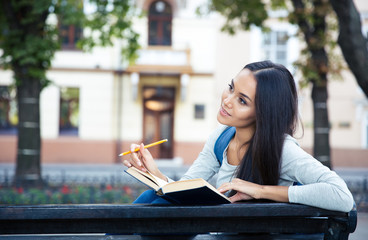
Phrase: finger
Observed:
(141, 155)
(139, 158)
(222, 190)
(134, 156)
(133, 147)
(141, 148)
(225, 187)
(146, 155)
(127, 163)
(135, 161)
(235, 198)
(135, 164)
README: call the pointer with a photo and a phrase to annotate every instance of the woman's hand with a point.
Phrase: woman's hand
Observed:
(245, 190)
(248, 190)
(143, 161)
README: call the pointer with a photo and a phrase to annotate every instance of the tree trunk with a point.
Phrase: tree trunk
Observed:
(351, 40)
(321, 147)
(28, 169)
(27, 43)
(313, 32)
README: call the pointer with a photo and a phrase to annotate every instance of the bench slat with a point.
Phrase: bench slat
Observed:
(149, 211)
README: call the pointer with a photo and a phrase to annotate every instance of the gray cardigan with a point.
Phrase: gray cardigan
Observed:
(321, 187)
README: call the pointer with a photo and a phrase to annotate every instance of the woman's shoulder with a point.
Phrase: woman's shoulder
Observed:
(292, 150)
(290, 140)
(211, 140)
(217, 132)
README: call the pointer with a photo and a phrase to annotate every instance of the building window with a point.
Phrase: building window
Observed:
(70, 30)
(69, 111)
(69, 36)
(159, 23)
(275, 46)
(8, 111)
(199, 111)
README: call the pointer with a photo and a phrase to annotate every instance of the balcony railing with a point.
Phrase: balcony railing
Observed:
(162, 59)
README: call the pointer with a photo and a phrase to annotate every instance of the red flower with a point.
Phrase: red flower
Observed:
(65, 189)
(108, 187)
(128, 190)
(20, 190)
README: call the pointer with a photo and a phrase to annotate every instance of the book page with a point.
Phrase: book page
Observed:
(159, 181)
(191, 184)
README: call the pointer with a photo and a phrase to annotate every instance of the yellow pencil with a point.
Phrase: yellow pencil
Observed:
(146, 146)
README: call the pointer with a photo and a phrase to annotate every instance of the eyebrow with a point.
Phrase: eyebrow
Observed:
(244, 95)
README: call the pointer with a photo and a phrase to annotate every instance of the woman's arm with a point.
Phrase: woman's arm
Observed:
(320, 187)
(248, 190)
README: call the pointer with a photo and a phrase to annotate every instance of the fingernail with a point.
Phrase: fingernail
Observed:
(139, 164)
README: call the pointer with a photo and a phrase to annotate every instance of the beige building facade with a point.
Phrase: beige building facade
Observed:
(97, 106)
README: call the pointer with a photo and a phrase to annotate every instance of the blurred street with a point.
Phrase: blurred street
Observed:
(101, 171)
(355, 177)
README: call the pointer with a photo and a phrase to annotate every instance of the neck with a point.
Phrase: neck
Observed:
(239, 145)
(243, 135)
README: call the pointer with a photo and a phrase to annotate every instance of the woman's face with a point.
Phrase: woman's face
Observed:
(237, 102)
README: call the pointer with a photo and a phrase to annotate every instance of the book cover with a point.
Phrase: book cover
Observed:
(186, 192)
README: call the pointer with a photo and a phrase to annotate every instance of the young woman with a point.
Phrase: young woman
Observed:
(262, 160)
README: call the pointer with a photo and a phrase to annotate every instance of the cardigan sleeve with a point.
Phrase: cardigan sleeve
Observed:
(320, 187)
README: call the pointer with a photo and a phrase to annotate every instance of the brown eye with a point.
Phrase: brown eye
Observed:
(242, 101)
(230, 87)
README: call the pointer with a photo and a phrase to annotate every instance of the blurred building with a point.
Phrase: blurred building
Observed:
(97, 106)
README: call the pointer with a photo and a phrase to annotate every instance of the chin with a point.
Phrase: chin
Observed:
(220, 119)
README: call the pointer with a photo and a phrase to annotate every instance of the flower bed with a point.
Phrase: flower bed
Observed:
(69, 194)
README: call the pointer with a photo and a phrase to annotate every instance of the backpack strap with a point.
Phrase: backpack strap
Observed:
(222, 142)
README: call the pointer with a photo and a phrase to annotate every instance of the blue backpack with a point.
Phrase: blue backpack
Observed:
(222, 142)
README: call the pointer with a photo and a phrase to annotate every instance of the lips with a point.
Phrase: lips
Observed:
(223, 112)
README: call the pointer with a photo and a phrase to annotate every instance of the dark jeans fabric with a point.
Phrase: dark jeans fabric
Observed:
(150, 197)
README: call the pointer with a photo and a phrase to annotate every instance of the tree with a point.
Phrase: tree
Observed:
(311, 18)
(312, 23)
(29, 42)
(351, 40)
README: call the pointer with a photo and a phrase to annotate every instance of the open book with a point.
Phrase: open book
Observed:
(187, 192)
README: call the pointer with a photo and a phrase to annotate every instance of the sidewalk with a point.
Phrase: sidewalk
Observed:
(361, 232)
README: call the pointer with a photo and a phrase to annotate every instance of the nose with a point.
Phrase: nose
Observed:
(227, 102)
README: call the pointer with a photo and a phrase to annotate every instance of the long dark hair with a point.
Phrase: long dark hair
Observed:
(276, 103)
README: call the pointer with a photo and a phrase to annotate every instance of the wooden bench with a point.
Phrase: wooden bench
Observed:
(250, 220)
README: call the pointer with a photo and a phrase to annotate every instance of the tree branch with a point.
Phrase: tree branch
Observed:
(351, 40)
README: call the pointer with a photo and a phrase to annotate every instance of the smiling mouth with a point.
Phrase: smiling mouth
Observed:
(223, 112)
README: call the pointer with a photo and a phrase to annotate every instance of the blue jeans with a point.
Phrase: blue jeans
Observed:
(150, 197)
